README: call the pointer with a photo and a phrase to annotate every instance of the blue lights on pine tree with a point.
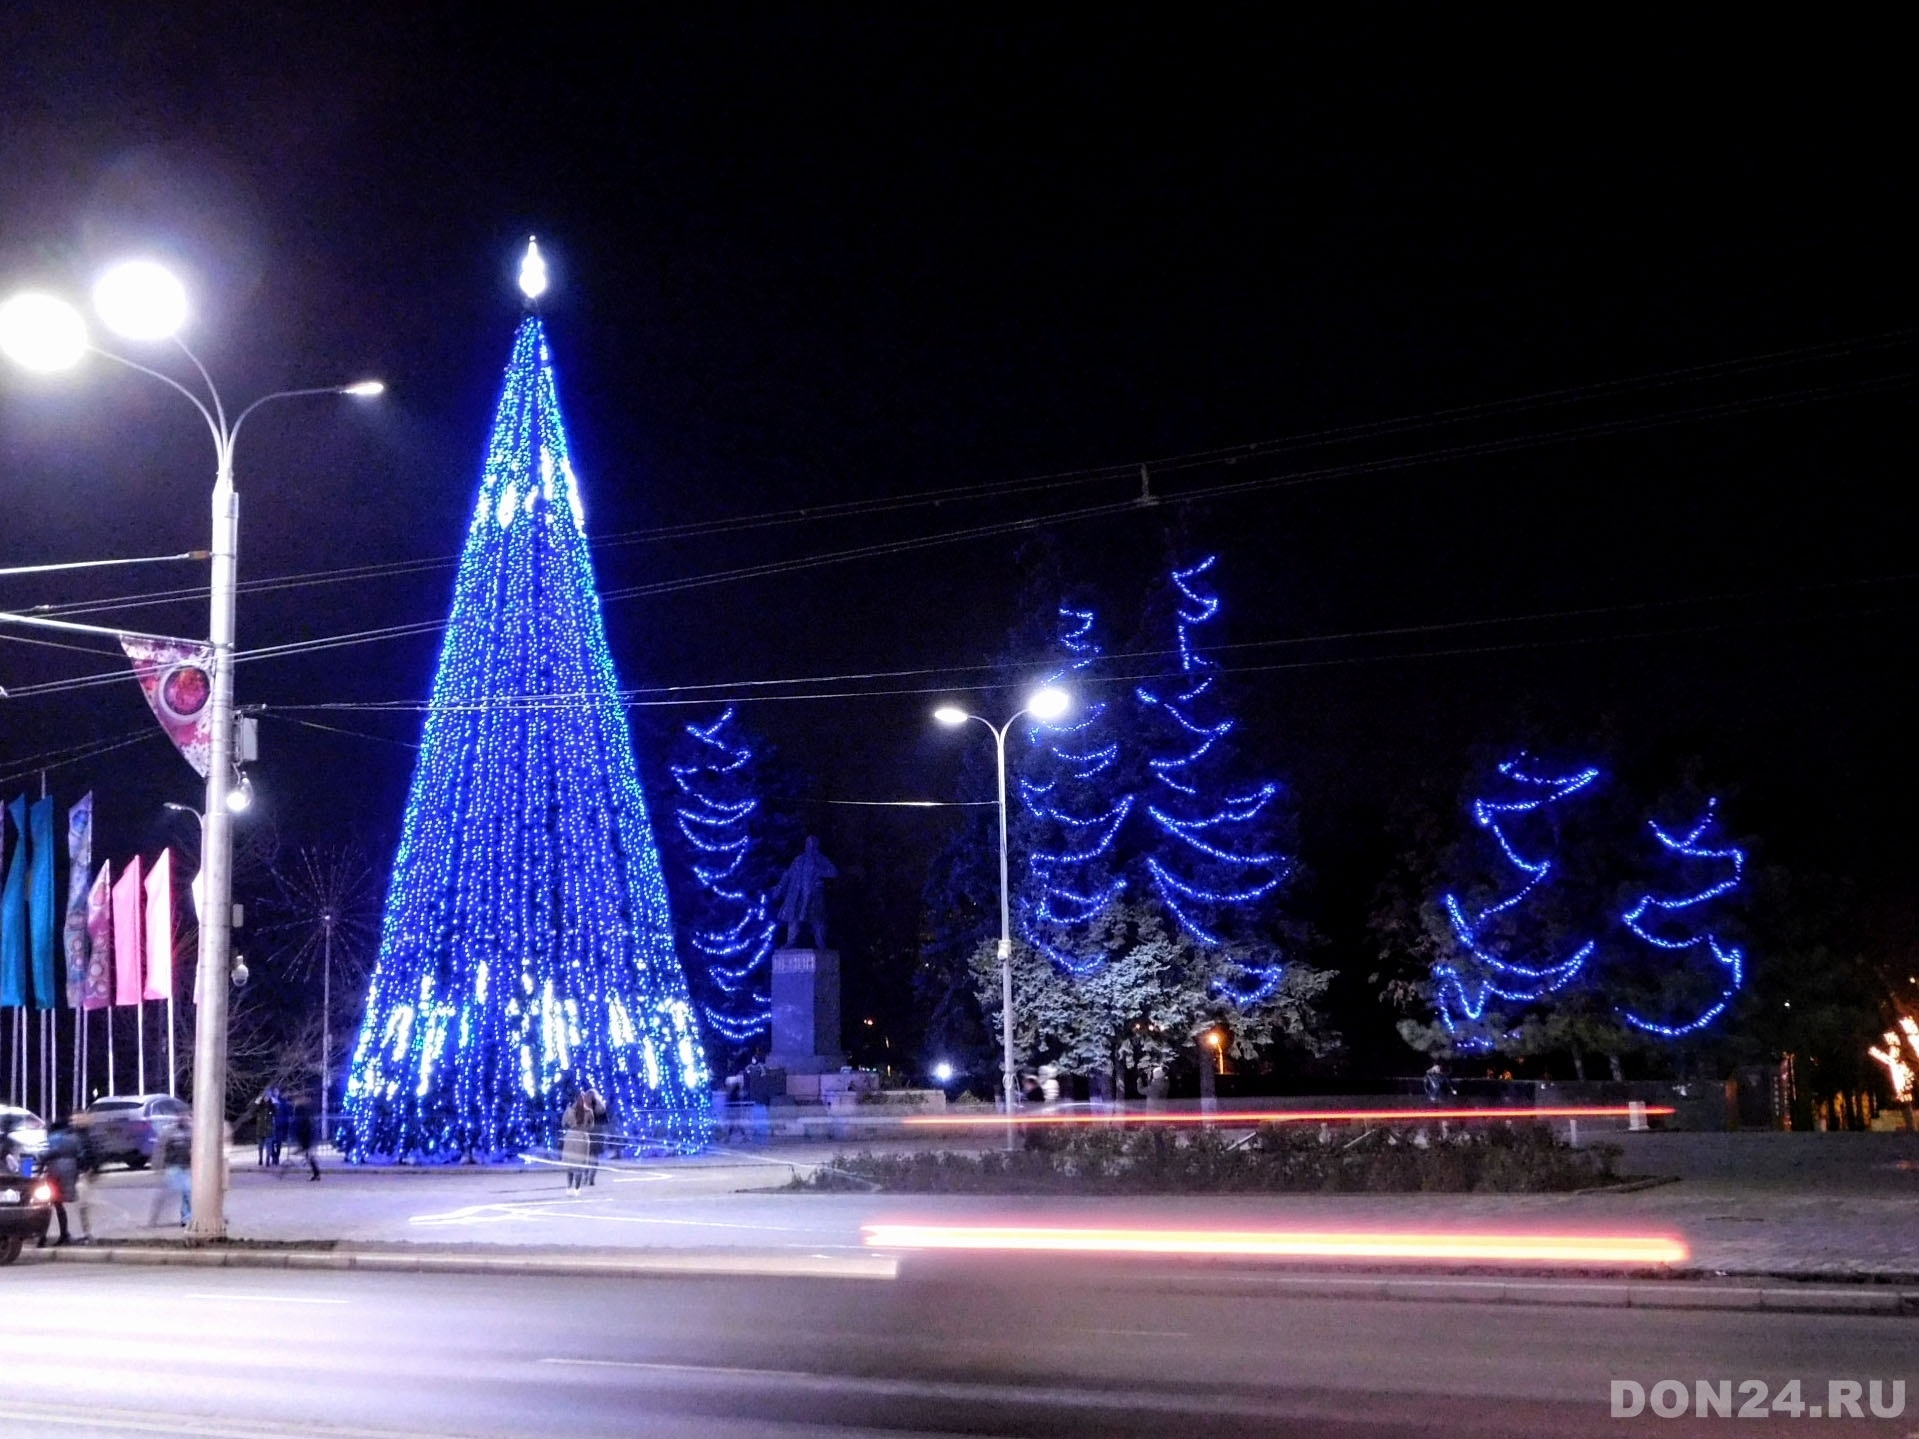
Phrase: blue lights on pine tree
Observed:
(527, 950)
(1219, 863)
(1661, 923)
(1481, 973)
(723, 914)
(1072, 813)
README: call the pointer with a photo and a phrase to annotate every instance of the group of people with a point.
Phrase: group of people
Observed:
(70, 1163)
(278, 1122)
(583, 1139)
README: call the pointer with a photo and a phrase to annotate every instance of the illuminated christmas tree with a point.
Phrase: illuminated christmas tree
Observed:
(527, 951)
(722, 902)
(1072, 813)
(1216, 864)
(1699, 973)
(1510, 953)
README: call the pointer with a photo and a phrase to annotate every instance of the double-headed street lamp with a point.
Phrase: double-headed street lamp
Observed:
(1045, 705)
(140, 300)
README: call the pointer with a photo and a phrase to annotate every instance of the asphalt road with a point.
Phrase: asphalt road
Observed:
(1054, 1349)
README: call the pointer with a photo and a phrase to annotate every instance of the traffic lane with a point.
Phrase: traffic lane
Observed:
(1021, 1348)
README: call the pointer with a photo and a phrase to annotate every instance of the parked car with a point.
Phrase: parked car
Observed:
(123, 1128)
(25, 1207)
(23, 1139)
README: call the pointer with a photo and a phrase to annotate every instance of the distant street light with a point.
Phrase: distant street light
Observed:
(141, 300)
(1044, 705)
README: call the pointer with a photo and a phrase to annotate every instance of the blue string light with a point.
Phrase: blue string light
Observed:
(1218, 870)
(729, 934)
(1462, 993)
(1072, 817)
(527, 947)
(1645, 914)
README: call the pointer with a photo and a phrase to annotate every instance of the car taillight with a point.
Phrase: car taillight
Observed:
(43, 1194)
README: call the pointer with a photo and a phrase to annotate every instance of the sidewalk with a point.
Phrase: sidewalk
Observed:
(1790, 1206)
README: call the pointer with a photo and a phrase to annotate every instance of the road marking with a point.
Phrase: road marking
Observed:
(266, 1299)
(1147, 1333)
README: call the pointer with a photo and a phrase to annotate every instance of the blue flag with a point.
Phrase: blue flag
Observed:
(13, 912)
(43, 907)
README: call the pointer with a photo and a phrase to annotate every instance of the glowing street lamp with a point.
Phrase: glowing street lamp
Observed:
(1044, 705)
(142, 301)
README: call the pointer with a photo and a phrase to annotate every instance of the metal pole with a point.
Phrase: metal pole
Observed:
(326, 1024)
(1007, 1078)
(216, 866)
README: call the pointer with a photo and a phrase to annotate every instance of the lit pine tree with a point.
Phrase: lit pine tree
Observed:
(1072, 813)
(1216, 864)
(721, 897)
(526, 951)
(1698, 973)
(1506, 955)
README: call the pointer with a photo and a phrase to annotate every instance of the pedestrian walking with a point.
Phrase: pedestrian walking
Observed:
(576, 1142)
(303, 1138)
(65, 1158)
(173, 1157)
(282, 1124)
(260, 1117)
(596, 1134)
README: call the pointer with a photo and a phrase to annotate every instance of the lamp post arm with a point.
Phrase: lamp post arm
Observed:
(225, 439)
(233, 435)
(213, 425)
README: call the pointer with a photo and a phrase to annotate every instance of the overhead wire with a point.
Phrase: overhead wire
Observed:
(1229, 454)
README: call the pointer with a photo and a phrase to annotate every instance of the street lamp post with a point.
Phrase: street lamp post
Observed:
(1045, 705)
(140, 300)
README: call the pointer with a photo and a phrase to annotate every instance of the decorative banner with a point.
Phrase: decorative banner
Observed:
(13, 912)
(99, 988)
(79, 871)
(177, 679)
(160, 928)
(126, 935)
(41, 908)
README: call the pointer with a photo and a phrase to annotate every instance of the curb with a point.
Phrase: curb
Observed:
(657, 1264)
(1571, 1292)
(1585, 1294)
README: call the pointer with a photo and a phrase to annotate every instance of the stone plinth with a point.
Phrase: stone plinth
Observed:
(806, 1012)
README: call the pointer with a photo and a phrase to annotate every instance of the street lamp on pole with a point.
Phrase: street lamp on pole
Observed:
(1044, 705)
(142, 301)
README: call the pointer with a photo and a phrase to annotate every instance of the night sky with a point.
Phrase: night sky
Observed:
(1489, 319)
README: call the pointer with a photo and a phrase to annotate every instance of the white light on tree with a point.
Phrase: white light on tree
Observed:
(141, 300)
(41, 333)
(533, 272)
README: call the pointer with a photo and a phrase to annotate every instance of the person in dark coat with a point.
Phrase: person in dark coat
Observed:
(303, 1141)
(65, 1159)
(282, 1125)
(595, 1134)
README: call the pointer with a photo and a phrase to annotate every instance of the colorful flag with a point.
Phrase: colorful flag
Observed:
(79, 871)
(160, 928)
(13, 911)
(42, 908)
(99, 990)
(177, 679)
(127, 935)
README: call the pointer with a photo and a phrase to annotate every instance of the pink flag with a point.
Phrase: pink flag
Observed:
(177, 679)
(126, 935)
(160, 928)
(98, 993)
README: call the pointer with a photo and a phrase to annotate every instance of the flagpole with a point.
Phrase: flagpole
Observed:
(173, 1063)
(140, 1043)
(112, 1087)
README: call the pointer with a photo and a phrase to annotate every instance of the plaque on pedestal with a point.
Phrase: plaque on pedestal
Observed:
(806, 1012)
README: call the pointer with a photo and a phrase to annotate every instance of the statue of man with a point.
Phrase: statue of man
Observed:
(801, 894)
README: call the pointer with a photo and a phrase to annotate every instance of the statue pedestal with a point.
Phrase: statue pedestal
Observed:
(806, 1012)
